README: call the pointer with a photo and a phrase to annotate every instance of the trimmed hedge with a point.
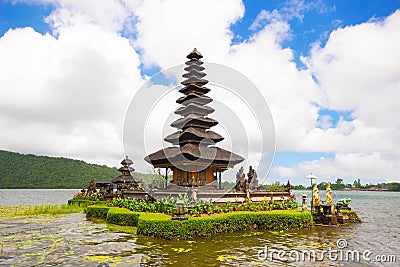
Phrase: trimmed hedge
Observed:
(122, 216)
(160, 225)
(97, 211)
(223, 223)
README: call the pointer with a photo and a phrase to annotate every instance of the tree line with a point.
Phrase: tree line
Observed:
(340, 185)
(43, 172)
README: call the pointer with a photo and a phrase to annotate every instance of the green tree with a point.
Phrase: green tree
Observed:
(394, 187)
(357, 183)
(30, 171)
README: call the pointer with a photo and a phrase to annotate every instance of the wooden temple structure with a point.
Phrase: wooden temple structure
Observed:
(194, 158)
(125, 181)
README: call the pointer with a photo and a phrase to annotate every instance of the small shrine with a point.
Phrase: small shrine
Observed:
(194, 159)
(126, 180)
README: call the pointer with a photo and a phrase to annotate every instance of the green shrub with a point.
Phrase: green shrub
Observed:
(223, 223)
(122, 216)
(167, 204)
(97, 211)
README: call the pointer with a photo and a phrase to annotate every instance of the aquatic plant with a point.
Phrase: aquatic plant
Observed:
(31, 210)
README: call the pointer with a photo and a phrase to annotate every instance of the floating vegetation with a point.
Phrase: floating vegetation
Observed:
(180, 250)
(252, 234)
(33, 210)
(124, 229)
(225, 257)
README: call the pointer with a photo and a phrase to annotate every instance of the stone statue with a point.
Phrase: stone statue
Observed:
(194, 195)
(329, 195)
(239, 175)
(251, 174)
(240, 180)
(343, 203)
(253, 181)
(91, 188)
(289, 187)
(154, 186)
(316, 199)
(304, 203)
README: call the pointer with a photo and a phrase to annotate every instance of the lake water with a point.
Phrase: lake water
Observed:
(10, 197)
(73, 241)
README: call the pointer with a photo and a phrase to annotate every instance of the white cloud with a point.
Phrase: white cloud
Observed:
(168, 30)
(110, 15)
(370, 167)
(359, 71)
(291, 9)
(67, 95)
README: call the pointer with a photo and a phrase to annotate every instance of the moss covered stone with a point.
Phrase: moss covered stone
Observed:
(353, 217)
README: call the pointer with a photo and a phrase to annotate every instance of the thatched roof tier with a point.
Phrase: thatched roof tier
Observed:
(193, 135)
(123, 179)
(193, 108)
(193, 88)
(194, 73)
(191, 152)
(127, 161)
(194, 80)
(192, 67)
(102, 183)
(126, 168)
(194, 54)
(194, 98)
(194, 62)
(194, 120)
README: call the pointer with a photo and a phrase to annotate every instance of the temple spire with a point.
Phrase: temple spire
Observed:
(194, 124)
(194, 158)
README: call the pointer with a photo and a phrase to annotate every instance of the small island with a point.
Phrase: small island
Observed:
(193, 204)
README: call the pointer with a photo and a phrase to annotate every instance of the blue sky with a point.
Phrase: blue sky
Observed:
(315, 25)
(331, 112)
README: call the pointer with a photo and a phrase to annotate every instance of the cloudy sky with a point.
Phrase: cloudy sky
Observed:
(329, 71)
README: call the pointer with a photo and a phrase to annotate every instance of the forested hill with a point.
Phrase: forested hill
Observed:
(30, 171)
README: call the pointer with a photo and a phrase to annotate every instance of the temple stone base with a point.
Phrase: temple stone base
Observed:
(343, 219)
(325, 219)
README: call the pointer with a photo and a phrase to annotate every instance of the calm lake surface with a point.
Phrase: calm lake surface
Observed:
(73, 241)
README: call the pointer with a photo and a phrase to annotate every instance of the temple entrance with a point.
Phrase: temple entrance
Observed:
(192, 178)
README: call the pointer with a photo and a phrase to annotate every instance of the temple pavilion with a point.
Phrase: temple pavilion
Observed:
(125, 180)
(194, 158)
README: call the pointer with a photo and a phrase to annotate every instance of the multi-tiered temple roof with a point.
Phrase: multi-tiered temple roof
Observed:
(125, 170)
(195, 142)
